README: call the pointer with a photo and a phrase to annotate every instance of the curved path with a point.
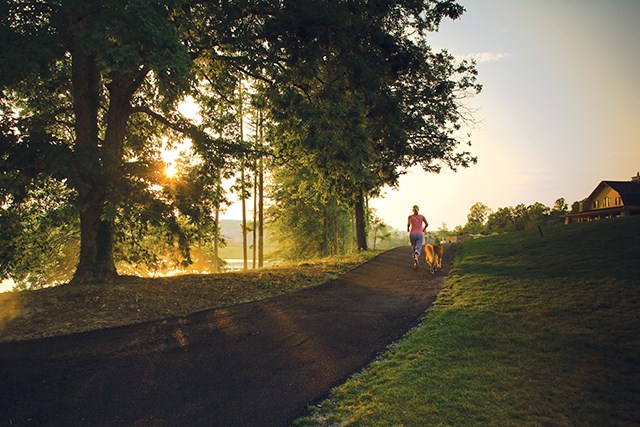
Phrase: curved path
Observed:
(252, 364)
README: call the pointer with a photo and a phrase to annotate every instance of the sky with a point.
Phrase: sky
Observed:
(558, 113)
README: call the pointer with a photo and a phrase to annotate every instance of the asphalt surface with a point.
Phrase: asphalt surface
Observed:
(255, 364)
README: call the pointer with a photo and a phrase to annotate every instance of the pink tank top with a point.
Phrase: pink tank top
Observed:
(416, 223)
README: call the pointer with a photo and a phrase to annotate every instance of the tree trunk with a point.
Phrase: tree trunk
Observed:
(98, 180)
(261, 199)
(260, 214)
(96, 247)
(361, 234)
(96, 234)
(325, 231)
(242, 187)
(334, 222)
(245, 265)
(216, 236)
(255, 217)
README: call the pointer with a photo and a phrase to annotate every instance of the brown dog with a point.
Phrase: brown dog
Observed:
(434, 256)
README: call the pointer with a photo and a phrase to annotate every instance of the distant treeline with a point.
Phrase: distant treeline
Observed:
(482, 220)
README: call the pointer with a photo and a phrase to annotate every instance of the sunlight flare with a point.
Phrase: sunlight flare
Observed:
(170, 170)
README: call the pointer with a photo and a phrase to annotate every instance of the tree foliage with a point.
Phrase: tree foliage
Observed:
(370, 98)
(482, 221)
(90, 92)
(40, 236)
(91, 111)
(305, 223)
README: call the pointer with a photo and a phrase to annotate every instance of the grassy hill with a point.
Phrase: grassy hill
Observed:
(528, 330)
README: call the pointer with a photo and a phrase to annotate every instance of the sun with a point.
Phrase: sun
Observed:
(171, 154)
(170, 170)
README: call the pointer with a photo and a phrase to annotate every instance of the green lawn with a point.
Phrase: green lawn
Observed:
(527, 331)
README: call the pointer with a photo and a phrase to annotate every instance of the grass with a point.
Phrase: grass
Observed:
(527, 331)
(68, 309)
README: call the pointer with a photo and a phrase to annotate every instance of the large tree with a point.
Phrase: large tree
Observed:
(370, 98)
(105, 51)
(78, 72)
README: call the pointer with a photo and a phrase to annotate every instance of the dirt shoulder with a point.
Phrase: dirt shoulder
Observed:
(67, 309)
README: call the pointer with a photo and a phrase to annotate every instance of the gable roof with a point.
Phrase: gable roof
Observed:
(629, 191)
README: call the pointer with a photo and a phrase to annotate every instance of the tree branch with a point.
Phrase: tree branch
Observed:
(182, 126)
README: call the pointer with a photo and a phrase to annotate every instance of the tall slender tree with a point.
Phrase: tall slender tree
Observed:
(261, 201)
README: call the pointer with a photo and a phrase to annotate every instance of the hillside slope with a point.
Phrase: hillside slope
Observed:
(528, 330)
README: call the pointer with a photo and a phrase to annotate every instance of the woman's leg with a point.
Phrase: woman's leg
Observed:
(416, 248)
(419, 241)
(414, 243)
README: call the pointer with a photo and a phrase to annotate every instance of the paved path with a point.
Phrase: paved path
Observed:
(255, 364)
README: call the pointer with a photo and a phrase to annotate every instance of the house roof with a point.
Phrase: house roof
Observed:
(629, 191)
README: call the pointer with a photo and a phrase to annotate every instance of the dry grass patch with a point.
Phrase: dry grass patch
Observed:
(68, 309)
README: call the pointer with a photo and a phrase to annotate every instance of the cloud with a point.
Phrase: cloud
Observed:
(484, 56)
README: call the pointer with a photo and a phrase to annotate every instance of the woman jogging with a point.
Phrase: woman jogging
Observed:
(416, 233)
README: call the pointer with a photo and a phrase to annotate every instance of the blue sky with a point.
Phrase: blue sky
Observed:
(558, 113)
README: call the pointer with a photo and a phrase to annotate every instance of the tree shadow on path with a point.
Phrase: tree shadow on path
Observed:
(259, 363)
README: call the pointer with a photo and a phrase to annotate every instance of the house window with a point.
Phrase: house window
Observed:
(596, 204)
(618, 201)
(607, 202)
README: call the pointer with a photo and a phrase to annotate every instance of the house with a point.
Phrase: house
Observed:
(610, 199)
